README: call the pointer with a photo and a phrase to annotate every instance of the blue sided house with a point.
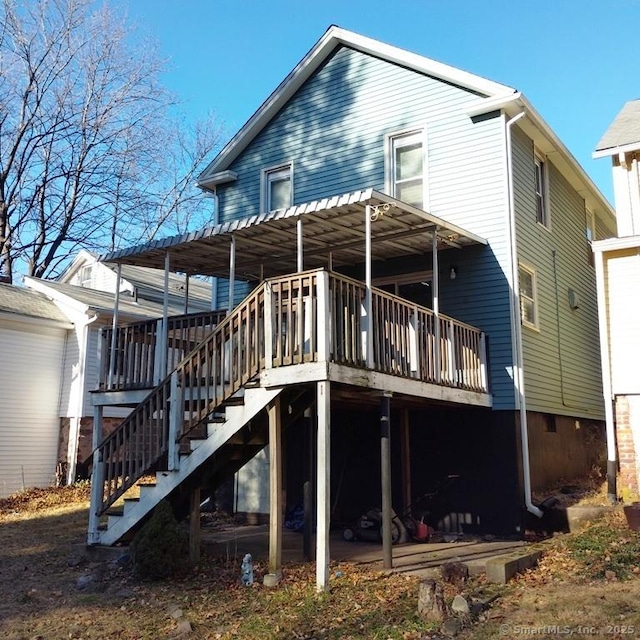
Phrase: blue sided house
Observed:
(403, 252)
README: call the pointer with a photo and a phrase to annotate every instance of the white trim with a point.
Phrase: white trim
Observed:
(534, 286)
(614, 151)
(540, 160)
(265, 181)
(413, 133)
(614, 244)
(221, 177)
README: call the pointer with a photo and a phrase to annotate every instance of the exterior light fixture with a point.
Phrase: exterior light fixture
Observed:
(453, 273)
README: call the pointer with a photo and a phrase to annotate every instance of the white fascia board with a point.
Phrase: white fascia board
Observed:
(215, 179)
(65, 303)
(616, 244)
(31, 320)
(82, 258)
(614, 151)
(334, 37)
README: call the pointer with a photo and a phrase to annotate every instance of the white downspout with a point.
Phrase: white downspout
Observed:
(74, 429)
(516, 329)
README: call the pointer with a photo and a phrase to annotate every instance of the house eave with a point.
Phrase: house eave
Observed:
(614, 151)
(548, 143)
(616, 244)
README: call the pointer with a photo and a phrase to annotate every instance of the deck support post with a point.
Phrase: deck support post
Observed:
(194, 526)
(176, 417)
(323, 321)
(323, 485)
(162, 345)
(186, 294)
(232, 272)
(367, 323)
(385, 470)
(300, 245)
(405, 453)
(276, 511)
(268, 325)
(437, 346)
(114, 329)
(97, 476)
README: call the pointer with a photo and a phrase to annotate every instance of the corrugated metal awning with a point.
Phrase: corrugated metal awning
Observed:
(332, 226)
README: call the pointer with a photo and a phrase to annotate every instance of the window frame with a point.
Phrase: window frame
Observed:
(590, 234)
(541, 170)
(535, 324)
(267, 176)
(410, 136)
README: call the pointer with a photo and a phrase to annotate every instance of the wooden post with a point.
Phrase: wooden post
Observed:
(300, 243)
(232, 272)
(276, 510)
(176, 418)
(385, 469)
(97, 477)
(308, 488)
(436, 308)
(114, 330)
(268, 325)
(323, 484)
(194, 526)
(405, 451)
(323, 319)
(367, 325)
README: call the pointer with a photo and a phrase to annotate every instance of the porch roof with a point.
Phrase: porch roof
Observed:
(266, 244)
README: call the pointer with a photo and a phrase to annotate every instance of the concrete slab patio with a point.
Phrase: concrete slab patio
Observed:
(421, 559)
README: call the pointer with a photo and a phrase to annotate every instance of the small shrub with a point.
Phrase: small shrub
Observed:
(159, 549)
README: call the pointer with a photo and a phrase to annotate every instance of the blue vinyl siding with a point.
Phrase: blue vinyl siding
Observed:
(333, 131)
(562, 359)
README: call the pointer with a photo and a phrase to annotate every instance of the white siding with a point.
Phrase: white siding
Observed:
(30, 380)
(623, 283)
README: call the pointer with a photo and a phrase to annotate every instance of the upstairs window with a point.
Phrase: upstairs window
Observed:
(405, 167)
(542, 204)
(528, 296)
(85, 277)
(277, 191)
(590, 234)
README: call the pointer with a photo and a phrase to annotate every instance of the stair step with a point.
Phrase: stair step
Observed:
(130, 503)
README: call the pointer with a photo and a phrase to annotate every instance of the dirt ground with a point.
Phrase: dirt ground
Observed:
(586, 585)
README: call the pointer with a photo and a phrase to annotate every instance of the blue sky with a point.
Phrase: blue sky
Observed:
(574, 59)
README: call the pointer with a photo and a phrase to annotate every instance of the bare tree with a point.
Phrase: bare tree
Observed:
(83, 127)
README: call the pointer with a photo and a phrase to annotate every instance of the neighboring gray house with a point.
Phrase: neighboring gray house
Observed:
(618, 270)
(373, 192)
(33, 333)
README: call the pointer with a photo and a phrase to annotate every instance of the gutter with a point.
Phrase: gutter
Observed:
(516, 328)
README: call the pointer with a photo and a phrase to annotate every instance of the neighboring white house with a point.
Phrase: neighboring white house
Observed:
(618, 274)
(49, 335)
(33, 335)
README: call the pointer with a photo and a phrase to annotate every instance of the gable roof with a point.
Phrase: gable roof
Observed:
(333, 38)
(623, 133)
(101, 302)
(18, 303)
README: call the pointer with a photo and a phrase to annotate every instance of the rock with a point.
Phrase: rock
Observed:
(460, 605)
(84, 582)
(175, 612)
(610, 575)
(76, 561)
(431, 604)
(124, 593)
(451, 627)
(183, 629)
(454, 572)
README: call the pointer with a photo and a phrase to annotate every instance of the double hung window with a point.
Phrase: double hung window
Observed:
(405, 167)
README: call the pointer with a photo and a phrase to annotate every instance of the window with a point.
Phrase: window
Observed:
(542, 206)
(85, 277)
(590, 234)
(528, 297)
(277, 192)
(405, 167)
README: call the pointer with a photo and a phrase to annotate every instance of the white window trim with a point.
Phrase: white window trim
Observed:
(542, 159)
(590, 224)
(535, 325)
(264, 183)
(389, 162)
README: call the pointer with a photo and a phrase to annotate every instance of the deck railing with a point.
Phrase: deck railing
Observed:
(136, 363)
(291, 320)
